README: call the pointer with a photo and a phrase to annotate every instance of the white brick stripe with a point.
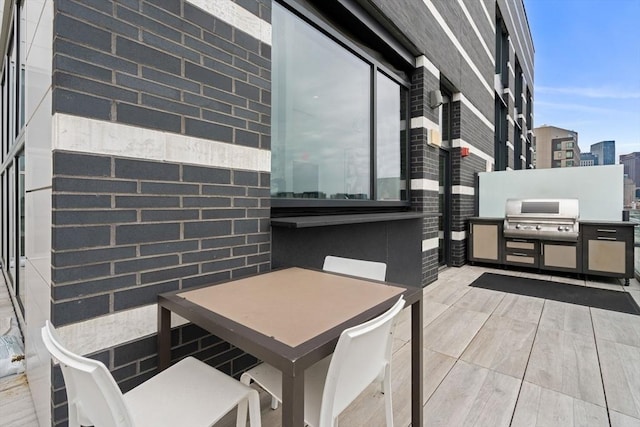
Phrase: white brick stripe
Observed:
(475, 30)
(423, 123)
(457, 44)
(236, 16)
(463, 189)
(430, 244)
(100, 137)
(422, 61)
(113, 329)
(424, 184)
(458, 235)
(489, 17)
(460, 97)
(525, 49)
(460, 143)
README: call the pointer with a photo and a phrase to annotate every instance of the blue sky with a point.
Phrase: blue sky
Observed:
(587, 69)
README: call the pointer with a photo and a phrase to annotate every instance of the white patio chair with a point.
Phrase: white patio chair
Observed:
(362, 356)
(189, 393)
(355, 267)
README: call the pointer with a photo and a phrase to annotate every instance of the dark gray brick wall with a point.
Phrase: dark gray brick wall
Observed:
(428, 37)
(163, 65)
(475, 131)
(126, 230)
(122, 248)
(424, 165)
(465, 170)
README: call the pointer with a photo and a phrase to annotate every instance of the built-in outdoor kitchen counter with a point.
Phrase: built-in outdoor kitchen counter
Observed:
(607, 248)
(603, 248)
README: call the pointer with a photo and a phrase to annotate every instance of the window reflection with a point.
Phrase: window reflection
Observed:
(322, 95)
(321, 130)
(388, 138)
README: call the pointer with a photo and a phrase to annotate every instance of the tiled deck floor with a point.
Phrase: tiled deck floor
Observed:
(495, 359)
(16, 406)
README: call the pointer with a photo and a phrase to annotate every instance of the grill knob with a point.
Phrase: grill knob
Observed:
(518, 226)
(538, 227)
(566, 229)
(560, 228)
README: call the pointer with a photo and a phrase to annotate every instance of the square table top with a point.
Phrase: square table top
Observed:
(292, 305)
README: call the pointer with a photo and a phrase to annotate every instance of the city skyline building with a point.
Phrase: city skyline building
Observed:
(556, 147)
(605, 151)
(631, 163)
(588, 159)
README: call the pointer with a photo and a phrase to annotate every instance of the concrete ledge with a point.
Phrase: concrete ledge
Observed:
(324, 220)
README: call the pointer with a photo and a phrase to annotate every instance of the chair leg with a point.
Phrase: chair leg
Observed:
(386, 387)
(254, 409)
(246, 379)
(241, 418)
(74, 419)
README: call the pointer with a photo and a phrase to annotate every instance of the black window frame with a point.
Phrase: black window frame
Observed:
(313, 15)
(501, 160)
(12, 147)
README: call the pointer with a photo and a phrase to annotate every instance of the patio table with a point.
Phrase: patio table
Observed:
(291, 319)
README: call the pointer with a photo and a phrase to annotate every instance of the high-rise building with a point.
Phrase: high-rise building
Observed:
(556, 147)
(606, 152)
(588, 159)
(631, 164)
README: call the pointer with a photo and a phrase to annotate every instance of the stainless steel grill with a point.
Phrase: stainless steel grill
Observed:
(548, 219)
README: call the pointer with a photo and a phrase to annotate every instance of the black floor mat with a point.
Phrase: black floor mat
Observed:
(573, 294)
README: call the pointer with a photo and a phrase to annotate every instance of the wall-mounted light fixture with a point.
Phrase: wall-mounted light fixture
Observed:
(435, 139)
(435, 99)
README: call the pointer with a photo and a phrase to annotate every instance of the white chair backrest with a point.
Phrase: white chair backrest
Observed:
(93, 396)
(362, 355)
(355, 267)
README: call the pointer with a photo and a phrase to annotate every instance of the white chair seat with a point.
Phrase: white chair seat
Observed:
(175, 396)
(189, 393)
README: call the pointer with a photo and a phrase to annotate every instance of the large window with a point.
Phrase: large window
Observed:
(502, 51)
(501, 135)
(12, 158)
(339, 119)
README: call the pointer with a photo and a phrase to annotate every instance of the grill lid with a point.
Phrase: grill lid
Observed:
(552, 219)
(563, 209)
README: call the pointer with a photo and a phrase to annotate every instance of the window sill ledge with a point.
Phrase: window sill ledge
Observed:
(328, 220)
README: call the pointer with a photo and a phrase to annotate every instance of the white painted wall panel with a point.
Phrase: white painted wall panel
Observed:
(598, 188)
